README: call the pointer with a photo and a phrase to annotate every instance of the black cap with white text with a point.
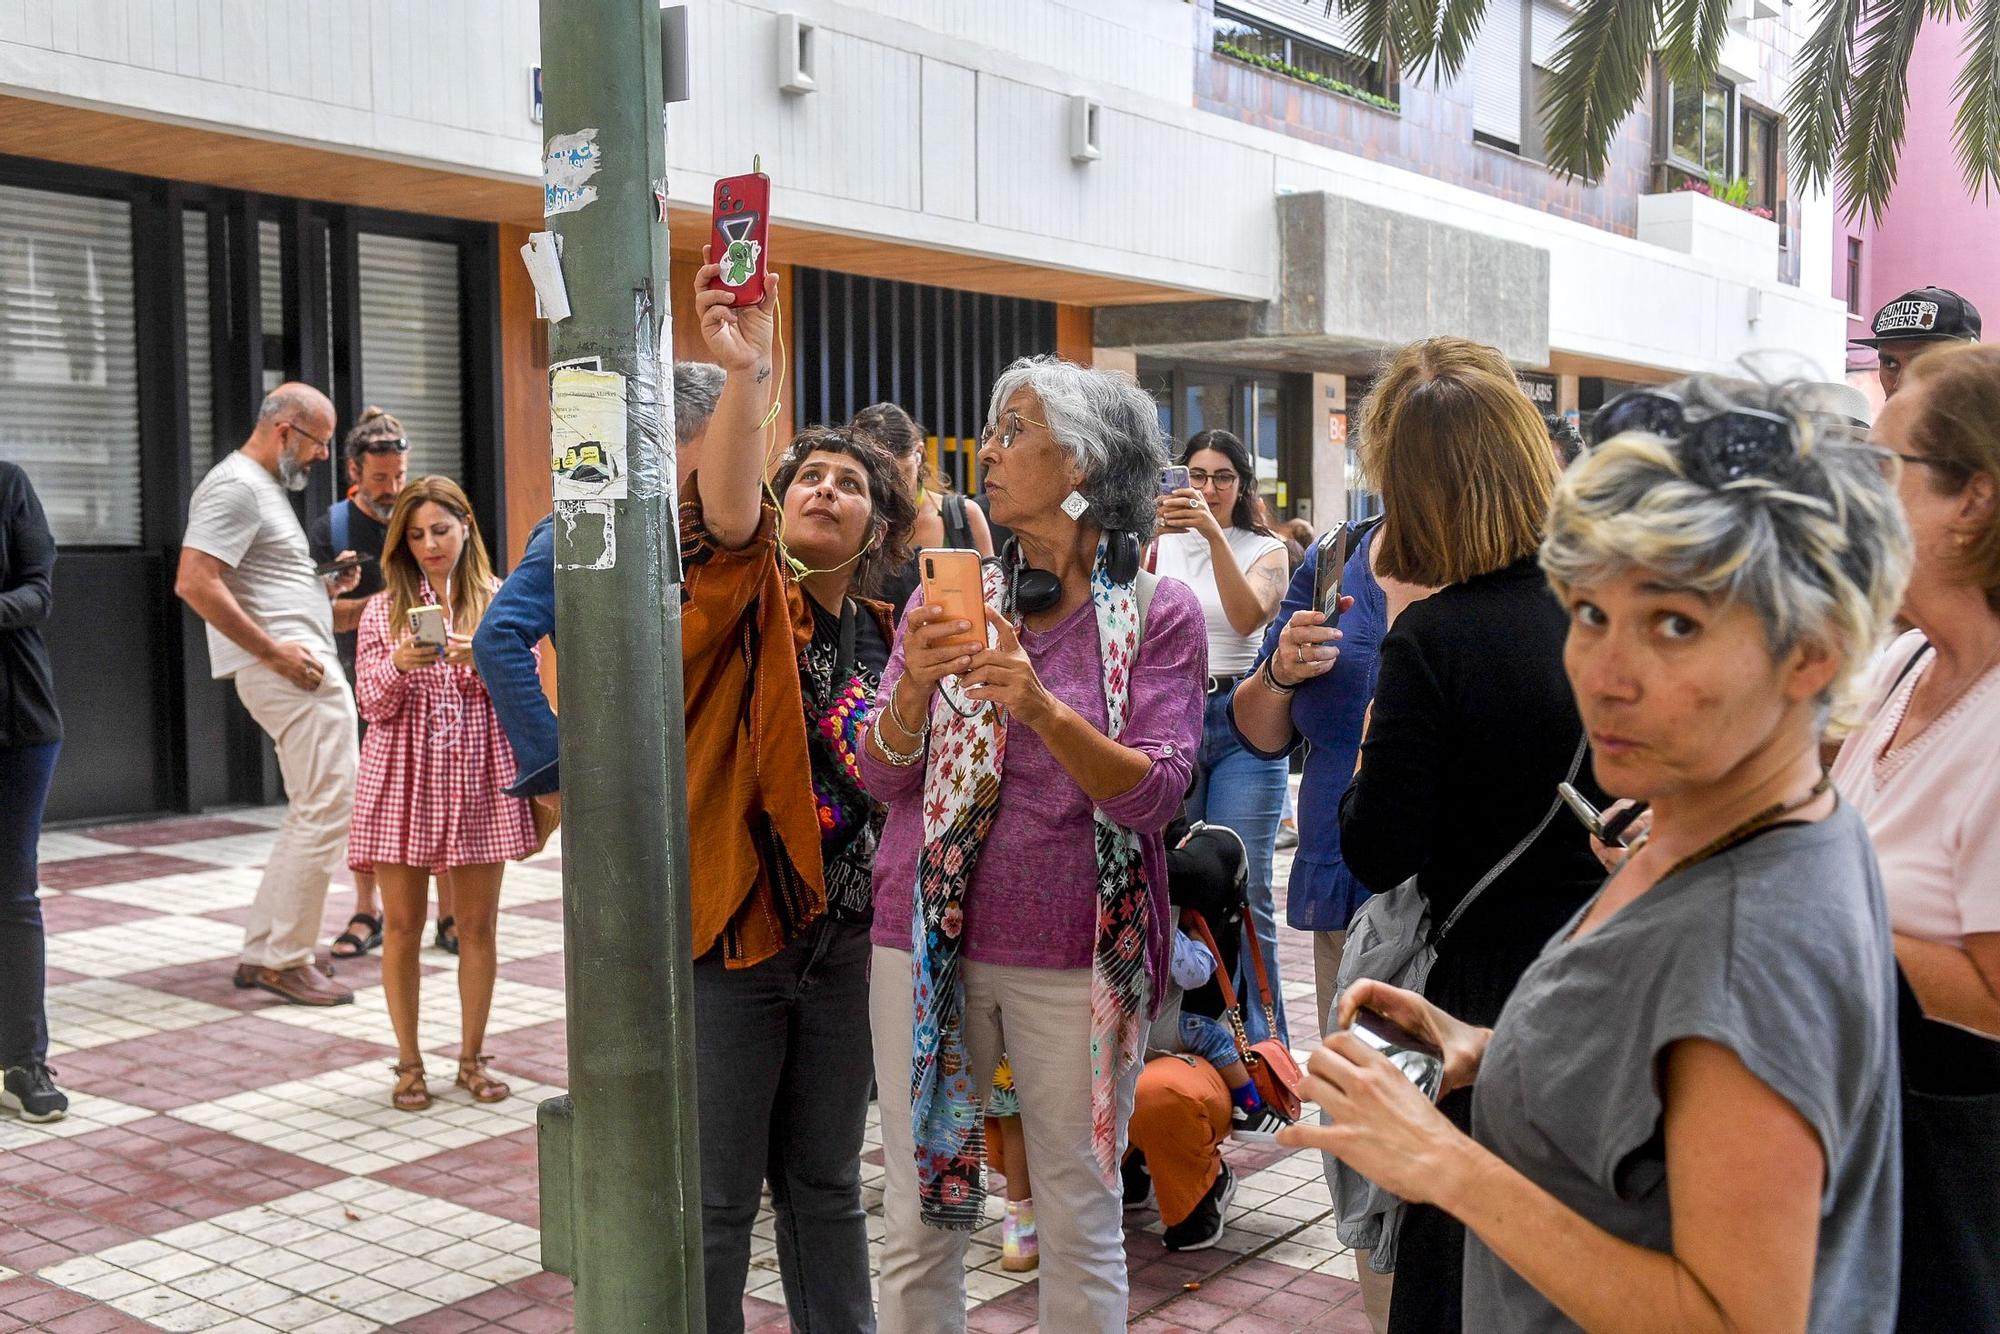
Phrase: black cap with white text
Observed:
(1927, 315)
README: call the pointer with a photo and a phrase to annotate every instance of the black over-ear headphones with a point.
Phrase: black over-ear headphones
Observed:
(1031, 591)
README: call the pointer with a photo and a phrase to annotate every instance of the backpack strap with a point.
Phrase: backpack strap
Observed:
(336, 519)
(957, 528)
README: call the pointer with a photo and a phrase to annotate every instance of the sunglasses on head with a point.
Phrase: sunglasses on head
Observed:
(397, 446)
(1716, 447)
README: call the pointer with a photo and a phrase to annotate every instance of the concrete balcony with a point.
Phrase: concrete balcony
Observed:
(1726, 239)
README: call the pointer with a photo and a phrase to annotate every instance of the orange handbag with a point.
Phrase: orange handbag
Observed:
(1272, 1069)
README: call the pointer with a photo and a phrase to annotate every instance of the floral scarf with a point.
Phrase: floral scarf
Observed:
(961, 796)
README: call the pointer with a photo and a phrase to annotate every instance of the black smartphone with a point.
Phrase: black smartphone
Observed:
(1421, 1062)
(1611, 833)
(341, 566)
(1333, 545)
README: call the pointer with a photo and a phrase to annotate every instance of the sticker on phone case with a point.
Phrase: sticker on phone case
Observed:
(587, 434)
(739, 254)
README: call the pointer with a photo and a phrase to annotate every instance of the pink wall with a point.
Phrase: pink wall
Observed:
(1933, 234)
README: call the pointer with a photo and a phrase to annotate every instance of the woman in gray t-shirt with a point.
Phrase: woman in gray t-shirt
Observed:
(1686, 1117)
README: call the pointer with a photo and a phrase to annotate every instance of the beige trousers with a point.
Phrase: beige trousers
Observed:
(1041, 1018)
(314, 733)
(1375, 1288)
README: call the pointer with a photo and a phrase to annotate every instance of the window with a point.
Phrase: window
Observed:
(1697, 130)
(1497, 64)
(69, 391)
(1761, 163)
(200, 376)
(1548, 20)
(1297, 38)
(1854, 276)
(410, 346)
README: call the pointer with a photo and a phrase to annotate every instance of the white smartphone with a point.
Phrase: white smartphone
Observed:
(427, 626)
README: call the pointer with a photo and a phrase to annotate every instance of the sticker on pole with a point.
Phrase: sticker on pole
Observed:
(587, 434)
(571, 160)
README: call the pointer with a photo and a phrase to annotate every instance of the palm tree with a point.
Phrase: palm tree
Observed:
(1849, 95)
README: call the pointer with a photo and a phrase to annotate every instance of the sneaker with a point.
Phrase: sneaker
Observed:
(1288, 834)
(27, 1089)
(1203, 1228)
(1138, 1180)
(1019, 1250)
(1263, 1121)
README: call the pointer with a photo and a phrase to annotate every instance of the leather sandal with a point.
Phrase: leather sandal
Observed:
(472, 1077)
(447, 934)
(357, 944)
(412, 1094)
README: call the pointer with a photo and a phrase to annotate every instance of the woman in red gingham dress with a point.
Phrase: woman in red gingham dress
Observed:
(428, 797)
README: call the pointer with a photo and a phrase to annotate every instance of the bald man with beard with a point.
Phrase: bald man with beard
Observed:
(247, 571)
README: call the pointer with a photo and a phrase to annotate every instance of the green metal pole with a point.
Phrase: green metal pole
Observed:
(619, 1160)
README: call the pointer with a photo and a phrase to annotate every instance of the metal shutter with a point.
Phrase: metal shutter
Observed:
(1496, 72)
(1306, 18)
(411, 334)
(69, 390)
(1548, 21)
(200, 375)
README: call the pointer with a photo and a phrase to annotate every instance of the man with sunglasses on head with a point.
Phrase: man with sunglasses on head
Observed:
(246, 570)
(1913, 323)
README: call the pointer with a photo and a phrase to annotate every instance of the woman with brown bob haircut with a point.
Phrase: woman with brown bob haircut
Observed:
(1473, 723)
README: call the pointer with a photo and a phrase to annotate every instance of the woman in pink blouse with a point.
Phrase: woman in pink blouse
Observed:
(428, 795)
(1021, 880)
(1924, 772)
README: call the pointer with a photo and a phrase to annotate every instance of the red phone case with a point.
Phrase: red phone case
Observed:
(740, 234)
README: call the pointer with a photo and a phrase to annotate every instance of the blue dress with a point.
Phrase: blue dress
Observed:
(1327, 713)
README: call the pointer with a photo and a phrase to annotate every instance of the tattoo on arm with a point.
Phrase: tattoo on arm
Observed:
(763, 372)
(1268, 582)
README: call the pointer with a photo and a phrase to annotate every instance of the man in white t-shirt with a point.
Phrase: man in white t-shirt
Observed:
(247, 571)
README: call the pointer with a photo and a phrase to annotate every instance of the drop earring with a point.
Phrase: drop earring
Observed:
(1074, 505)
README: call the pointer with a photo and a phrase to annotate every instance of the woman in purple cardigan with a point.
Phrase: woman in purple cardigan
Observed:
(1020, 886)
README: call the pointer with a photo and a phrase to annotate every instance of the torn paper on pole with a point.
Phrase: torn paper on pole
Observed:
(587, 453)
(567, 166)
(543, 256)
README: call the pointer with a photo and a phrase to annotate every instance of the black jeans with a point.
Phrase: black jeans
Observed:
(25, 773)
(784, 1064)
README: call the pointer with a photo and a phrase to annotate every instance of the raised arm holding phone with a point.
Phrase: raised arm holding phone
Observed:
(782, 874)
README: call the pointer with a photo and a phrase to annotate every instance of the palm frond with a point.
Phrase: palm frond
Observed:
(1976, 128)
(1456, 25)
(1691, 34)
(1942, 10)
(1373, 23)
(1881, 97)
(1598, 74)
(1816, 107)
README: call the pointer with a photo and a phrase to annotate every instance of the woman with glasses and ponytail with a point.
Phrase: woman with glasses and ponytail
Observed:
(781, 650)
(1214, 539)
(1686, 1115)
(1029, 765)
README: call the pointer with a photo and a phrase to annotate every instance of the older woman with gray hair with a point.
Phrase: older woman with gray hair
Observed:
(1029, 766)
(1686, 1116)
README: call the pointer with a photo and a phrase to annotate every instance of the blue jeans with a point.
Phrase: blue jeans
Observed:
(1246, 794)
(784, 1062)
(1209, 1039)
(25, 774)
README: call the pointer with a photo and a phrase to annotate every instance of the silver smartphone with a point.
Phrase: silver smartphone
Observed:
(1611, 833)
(1421, 1063)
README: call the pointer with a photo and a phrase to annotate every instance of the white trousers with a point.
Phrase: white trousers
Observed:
(1040, 1018)
(314, 733)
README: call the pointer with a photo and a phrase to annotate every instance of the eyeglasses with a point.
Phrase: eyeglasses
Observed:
(396, 446)
(1923, 460)
(1015, 421)
(1221, 480)
(1716, 448)
(308, 434)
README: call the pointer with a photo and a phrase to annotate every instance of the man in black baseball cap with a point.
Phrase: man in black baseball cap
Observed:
(1911, 323)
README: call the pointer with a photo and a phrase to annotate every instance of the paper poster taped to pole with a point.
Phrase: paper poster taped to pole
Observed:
(587, 434)
(567, 166)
